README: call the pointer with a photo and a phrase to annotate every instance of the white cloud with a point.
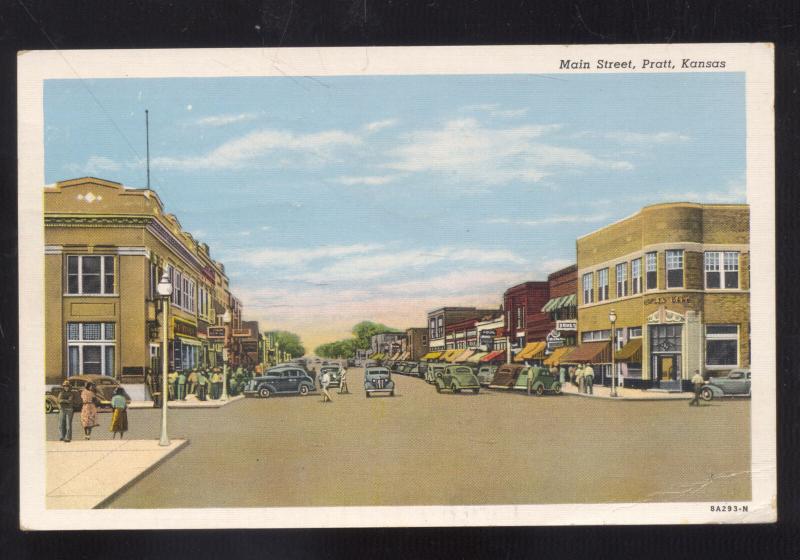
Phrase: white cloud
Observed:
(628, 137)
(295, 257)
(369, 180)
(256, 145)
(375, 126)
(223, 120)
(465, 150)
(94, 166)
(494, 110)
(562, 219)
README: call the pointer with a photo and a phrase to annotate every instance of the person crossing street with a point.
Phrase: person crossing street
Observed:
(343, 382)
(324, 381)
(698, 382)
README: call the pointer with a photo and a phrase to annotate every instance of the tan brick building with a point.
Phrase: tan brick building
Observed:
(677, 277)
(106, 248)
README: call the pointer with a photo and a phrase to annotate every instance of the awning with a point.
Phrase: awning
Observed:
(492, 356)
(448, 354)
(476, 357)
(405, 355)
(531, 350)
(631, 352)
(590, 352)
(431, 356)
(464, 356)
(189, 341)
(556, 356)
(377, 356)
(556, 303)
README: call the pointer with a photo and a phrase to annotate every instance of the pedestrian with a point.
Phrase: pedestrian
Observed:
(698, 382)
(192, 382)
(562, 374)
(172, 380)
(89, 410)
(202, 386)
(532, 373)
(572, 376)
(579, 378)
(216, 384)
(343, 382)
(588, 379)
(181, 386)
(65, 411)
(324, 381)
(119, 417)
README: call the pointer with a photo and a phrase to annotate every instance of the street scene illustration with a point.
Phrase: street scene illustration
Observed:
(396, 290)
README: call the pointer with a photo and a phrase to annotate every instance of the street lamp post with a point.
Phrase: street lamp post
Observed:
(612, 316)
(164, 292)
(226, 319)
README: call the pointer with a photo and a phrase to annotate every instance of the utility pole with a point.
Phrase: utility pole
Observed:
(147, 141)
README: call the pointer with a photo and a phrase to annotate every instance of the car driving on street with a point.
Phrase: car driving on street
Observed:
(287, 379)
(334, 373)
(457, 378)
(378, 380)
(735, 384)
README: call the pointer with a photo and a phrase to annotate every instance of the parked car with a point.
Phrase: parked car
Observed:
(412, 368)
(106, 386)
(285, 379)
(543, 382)
(735, 384)
(457, 377)
(371, 363)
(378, 380)
(334, 372)
(351, 362)
(505, 377)
(422, 369)
(433, 372)
(486, 374)
(50, 403)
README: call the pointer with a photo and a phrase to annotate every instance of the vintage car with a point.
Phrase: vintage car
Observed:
(542, 382)
(396, 367)
(378, 380)
(505, 377)
(457, 377)
(433, 371)
(486, 373)
(106, 386)
(285, 379)
(735, 384)
(411, 368)
(50, 403)
(334, 372)
(422, 368)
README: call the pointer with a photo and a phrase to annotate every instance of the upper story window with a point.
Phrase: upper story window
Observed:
(440, 327)
(90, 274)
(636, 276)
(634, 332)
(432, 328)
(675, 269)
(622, 279)
(520, 317)
(651, 271)
(602, 284)
(721, 269)
(588, 289)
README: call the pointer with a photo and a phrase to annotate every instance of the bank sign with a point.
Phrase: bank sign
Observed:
(570, 325)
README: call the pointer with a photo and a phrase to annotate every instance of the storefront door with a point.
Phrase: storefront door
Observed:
(665, 350)
(667, 368)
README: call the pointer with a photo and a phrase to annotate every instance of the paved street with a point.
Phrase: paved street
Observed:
(421, 447)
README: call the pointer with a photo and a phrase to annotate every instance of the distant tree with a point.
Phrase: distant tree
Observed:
(365, 330)
(346, 348)
(289, 342)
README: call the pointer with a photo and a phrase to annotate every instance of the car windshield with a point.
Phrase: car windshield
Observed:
(462, 371)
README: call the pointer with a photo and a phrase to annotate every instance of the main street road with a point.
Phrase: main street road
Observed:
(421, 447)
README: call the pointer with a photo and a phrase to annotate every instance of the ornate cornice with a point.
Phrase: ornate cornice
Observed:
(95, 220)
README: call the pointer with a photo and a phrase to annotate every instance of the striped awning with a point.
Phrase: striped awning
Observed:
(448, 354)
(553, 304)
(631, 352)
(558, 353)
(431, 356)
(532, 351)
(492, 356)
(476, 357)
(464, 356)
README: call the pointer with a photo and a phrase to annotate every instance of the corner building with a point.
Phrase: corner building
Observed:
(677, 277)
(106, 247)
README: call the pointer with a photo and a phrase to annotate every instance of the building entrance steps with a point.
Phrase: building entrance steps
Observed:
(85, 474)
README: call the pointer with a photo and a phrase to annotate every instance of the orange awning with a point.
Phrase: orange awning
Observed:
(492, 356)
(631, 352)
(557, 355)
(590, 352)
(531, 350)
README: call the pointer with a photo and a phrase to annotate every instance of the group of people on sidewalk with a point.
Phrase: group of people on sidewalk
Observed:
(89, 402)
(204, 383)
(582, 376)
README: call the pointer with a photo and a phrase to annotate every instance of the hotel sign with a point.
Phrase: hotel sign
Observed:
(571, 325)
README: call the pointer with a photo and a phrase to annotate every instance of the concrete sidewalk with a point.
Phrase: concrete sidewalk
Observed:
(190, 402)
(626, 394)
(84, 474)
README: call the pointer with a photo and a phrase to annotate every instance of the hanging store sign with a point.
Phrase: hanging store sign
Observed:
(217, 333)
(568, 325)
(241, 333)
(184, 328)
(554, 340)
(487, 337)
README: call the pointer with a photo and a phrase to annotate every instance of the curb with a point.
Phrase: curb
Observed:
(105, 501)
(629, 399)
(148, 404)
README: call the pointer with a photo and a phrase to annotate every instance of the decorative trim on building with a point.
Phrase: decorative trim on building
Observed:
(53, 249)
(664, 315)
(134, 251)
(96, 220)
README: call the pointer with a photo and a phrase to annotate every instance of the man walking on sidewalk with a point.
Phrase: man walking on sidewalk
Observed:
(588, 379)
(698, 382)
(579, 379)
(181, 386)
(65, 411)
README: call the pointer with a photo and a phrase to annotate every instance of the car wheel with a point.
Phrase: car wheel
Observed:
(367, 394)
(391, 394)
(557, 388)
(540, 390)
(454, 388)
(706, 394)
(304, 390)
(264, 392)
(438, 388)
(48, 406)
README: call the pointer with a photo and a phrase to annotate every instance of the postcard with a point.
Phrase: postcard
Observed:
(375, 287)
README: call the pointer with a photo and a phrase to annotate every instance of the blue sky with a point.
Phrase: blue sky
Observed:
(332, 200)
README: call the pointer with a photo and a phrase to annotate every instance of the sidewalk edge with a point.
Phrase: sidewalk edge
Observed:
(104, 502)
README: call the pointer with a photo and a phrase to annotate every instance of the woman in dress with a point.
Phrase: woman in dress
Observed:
(119, 418)
(89, 410)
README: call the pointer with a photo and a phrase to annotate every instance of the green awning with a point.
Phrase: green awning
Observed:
(556, 303)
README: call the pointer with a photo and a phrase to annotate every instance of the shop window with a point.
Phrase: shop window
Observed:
(90, 348)
(634, 332)
(90, 274)
(665, 338)
(721, 270)
(651, 270)
(588, 289)
(602, 284)
(675, 269)
(722, 345)
(622, 279)
(591, 336)
(636, 276)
